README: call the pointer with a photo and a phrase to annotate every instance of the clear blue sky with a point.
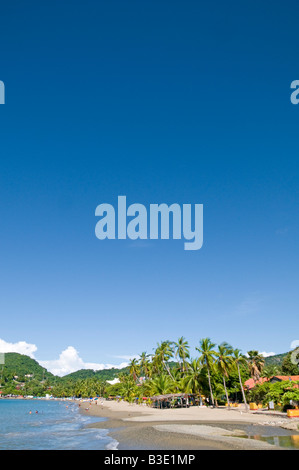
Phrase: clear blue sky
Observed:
(161, 101)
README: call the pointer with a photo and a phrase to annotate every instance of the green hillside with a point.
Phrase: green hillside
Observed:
(276, 360)
(102, 375)
(20, 365)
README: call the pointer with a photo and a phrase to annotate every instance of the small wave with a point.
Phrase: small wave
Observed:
(112, 445)
(11, 434)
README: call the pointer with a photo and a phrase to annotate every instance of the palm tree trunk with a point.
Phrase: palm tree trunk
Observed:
(242, 389)
(227, 399)
(210, 385)
(184, 365)
(168, 370)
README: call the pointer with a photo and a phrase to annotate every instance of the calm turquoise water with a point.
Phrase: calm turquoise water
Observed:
(57, 425)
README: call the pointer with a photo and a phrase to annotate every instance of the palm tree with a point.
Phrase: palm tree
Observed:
(182, 352)
(161, 385)
(207, 358)
(128, 389)
(162, 355)
(156, 365)
(150, 369)
(143, 363)
(134, 369)
(239, 359)
(256, 363)
(270, 371)
(224, 364)
(194, 379)
(122, 376)
(218, 391)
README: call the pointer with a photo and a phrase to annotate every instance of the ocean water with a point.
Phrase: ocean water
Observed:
(57, 425)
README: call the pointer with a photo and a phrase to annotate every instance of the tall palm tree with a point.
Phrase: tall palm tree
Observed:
(238, 360)
(256, 363)
(207, 358)
(156, 365)
(194, 379)
(143, 363)
(162, 355)
(224, 364)
(150, 369)
(182, 352)
(134, 369)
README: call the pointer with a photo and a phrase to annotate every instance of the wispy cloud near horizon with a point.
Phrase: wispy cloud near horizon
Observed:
(68, 361)
(267, 354)
(21, 347)
(127, 357)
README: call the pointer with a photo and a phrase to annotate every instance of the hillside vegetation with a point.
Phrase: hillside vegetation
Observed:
(20, 365)
(22, 375)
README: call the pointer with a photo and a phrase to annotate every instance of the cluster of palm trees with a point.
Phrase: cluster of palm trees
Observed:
(170, 369)
(89, 387)
(214, 373)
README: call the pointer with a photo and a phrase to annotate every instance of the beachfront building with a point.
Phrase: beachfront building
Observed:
(281, 378)
(251, 383)
(174, 400)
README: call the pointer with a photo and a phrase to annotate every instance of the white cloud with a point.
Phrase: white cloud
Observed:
(70, 361)
(128, 358)
(267, 354)
(20, 347)
(294, 344)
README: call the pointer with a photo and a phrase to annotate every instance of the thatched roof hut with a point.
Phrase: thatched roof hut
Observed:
(175, 399)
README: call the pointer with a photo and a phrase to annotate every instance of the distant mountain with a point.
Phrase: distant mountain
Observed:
(105, 374)
(275, 360)
(20, 365)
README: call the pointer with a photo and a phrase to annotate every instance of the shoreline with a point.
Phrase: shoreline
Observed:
(138, 427)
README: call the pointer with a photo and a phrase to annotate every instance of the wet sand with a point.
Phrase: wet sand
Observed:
(138, 427)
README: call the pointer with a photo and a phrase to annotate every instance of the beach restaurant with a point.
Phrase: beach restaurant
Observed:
(174, 400)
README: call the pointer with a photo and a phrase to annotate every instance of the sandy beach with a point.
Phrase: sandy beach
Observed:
(140, 427)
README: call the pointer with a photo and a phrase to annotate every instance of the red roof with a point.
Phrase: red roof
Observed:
(250, 383)
(287, 377)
